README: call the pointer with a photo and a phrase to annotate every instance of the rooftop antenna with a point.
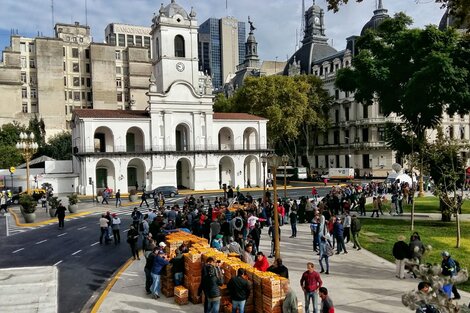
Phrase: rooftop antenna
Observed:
(52, 15)
(302, 18)
(86, 13)
(226, 7)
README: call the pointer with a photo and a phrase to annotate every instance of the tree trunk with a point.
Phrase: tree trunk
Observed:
(446, 211)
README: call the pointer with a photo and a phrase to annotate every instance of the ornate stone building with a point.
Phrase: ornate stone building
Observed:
(178, 140)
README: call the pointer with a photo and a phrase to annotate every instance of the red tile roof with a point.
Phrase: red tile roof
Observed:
(97, 113)
(237, 116)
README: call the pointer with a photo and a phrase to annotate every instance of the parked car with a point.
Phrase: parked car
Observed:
(167, 191)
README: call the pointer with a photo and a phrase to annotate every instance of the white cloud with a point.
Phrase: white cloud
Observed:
(276, 20)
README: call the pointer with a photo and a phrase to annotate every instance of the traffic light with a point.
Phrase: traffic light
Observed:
(90, 181)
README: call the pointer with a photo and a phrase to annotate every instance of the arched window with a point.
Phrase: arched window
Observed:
(157, 49)
(179, 46)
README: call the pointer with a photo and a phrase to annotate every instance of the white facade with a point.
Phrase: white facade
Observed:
(178, 140)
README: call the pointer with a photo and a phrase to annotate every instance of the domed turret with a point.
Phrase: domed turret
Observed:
(380, 14)
(172, 9)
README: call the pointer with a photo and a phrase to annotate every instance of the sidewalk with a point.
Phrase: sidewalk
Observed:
(359, 282)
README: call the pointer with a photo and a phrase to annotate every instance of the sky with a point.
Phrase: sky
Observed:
(276, 21)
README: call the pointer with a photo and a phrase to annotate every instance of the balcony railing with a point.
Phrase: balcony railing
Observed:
(169, 149)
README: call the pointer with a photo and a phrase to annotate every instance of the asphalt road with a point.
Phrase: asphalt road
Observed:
(84, 265)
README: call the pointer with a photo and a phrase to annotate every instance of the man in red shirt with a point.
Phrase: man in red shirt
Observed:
(310, 283)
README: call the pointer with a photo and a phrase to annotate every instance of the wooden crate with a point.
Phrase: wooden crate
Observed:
(181, 292)
(181, 301)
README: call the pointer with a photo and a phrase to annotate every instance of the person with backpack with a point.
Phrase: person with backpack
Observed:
(448, 269)
(355, 229)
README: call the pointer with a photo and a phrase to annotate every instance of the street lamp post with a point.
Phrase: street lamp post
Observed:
(273, 160)
(263, 161)
(349, 152)
(27, 147)
(285, 159)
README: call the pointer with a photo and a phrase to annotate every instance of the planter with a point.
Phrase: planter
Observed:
(73, 208)
(29, 217)
(52, 212)
(133, 198)
(99, 199)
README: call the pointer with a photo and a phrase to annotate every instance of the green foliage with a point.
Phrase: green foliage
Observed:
(379, 235)
(222, 104)
(73, 199)
(294, 106)
(9, 156)
(459, 8)
(28, 203)
(59, 146)
(38, 128)
(53, 202)
(416, 73)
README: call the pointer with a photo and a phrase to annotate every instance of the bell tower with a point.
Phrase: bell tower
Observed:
(174, 34)
(314, 24)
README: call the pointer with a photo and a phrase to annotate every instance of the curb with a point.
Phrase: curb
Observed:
(110, 285)
(46, 222)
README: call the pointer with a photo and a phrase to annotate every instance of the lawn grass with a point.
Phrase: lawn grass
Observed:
(422, 205)
(379, 236)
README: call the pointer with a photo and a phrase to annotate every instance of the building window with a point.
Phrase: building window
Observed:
(381, 131)
(125, 71)
(336, 94)
(462, 132)
(23, 62)
(88, 96)
(88, 82)
(124, 55)
(346, 113)
(65, 81)
(381, 110)
(87, 68)
(346, 136)
(64, 67)
(130, 40)
(365, 161)
(83, 95)
(122, 40)
(365, 135)
(31, 48)
(23, 77)
(138, 41)
(146, 41)
(336, 66)
(25, 107)
(337, 160)
(326, 161)
(70, 95)
(119, 97)
(76, 67)
(24, 93)
(316, 162)
(65, 95)
(325, 138)
(336, 137)
(450, 131)
(118, 70)
(179, 46)
(336, 116)
(346, 94)
(118, 83)
(74, 52)
(23, 46)
(76, 96)
(87, 53)
(365, 111)
(82, 82)
(76, 81)
(32, 63)
(34, 94)
(112, 39)
(63, 51)
(117, 54)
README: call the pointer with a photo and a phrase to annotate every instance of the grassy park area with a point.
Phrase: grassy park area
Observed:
(379, 236)
(422, 205)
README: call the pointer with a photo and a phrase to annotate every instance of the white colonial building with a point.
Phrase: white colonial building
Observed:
(178, 140)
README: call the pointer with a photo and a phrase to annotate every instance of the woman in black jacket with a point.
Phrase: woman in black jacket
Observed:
(400, 252)
(132, 237)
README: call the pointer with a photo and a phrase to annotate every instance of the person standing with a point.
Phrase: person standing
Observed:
(289, 305)
(326, 303)
(132, 237)
(103, 228)
(339, 235)
(118, 198)
(144, 199)
(159, 263)
(400, 253)
(449, 270)
(362, 204)
(178, 267)
(116, 226)
(293, 223)
(326, 249)
(136, 218)
(347, 226)
(375, 207)
(239, 288)
(310, 282)
(60, 213)
(148, 269)
(211, 282)
(355, 229)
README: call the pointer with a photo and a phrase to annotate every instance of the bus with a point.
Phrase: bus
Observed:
(292, 173)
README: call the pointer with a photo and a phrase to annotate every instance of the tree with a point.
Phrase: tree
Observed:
(458, 8)
(59, 146)
(222, 103)
(418, 74)
(295, 107)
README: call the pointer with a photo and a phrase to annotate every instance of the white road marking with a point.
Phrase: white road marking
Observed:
(81, 228)
(76, 252)
(58, 263)
(62, 235)
(18, 250)
(6, 222)
(94, 244)
(39, 242)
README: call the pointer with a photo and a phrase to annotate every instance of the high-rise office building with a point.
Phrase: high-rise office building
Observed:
(221, 48)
